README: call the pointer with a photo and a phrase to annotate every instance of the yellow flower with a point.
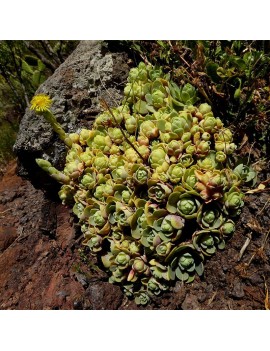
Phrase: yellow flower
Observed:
(41, 103)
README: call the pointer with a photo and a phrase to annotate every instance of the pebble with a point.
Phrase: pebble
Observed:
(255, 279)
(190, 303)
(237, 290)
(62, 293)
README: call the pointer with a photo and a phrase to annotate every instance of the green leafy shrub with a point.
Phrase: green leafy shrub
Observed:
(147, 173)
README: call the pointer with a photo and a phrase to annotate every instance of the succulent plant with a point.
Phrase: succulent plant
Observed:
(159, 271)
(150, 238)
(139, 268)
(151, 173)
(158, 192)
(233, 201)
(186, 204)
(210, 216)
(210, 184)
(185, 263)
(154, 286)
(122, 260)
(207, 241)
(95, 243)
(183, 96)
(175, 173)
(227, 229)
(175, 149)
(141, 297)
(141, 174)
(159, 158)
(209, 162)
(246, 174)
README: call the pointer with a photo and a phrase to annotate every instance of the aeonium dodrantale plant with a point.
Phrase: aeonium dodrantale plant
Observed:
(207, 241)
(186, 261)
(210, 216)
(154, 183)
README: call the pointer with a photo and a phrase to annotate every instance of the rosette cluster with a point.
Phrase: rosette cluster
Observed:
(152, 184)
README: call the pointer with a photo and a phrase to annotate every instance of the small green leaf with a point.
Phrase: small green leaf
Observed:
(27, 68)
(179, 274)
(141, 107)
(136, 233)
(148, 98)
(221, 245)
(221, 72)
(199, 269)
(144, 241)
(190, 278)
(150, 108)
(41, 66)
(161, 125)
(172, 202)
(211, 69)
(36, 78)
(211, 250)
(237, 94)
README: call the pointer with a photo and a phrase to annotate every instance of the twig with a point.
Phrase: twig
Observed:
(118, 125)
(9, 209)
(244, 141)
(49, 50)
(266, 300)
(203, 92)
(212, 298)
(48, 63)
(250, 152)
(244, 247)
(263, 207)
(181, 56)
(230, 304)
(265, 239)
(200, 88)
(259, 249)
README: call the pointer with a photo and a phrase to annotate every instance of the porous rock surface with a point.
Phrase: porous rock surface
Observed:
(91, 72)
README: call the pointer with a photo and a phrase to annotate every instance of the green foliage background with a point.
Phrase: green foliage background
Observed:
(231, 75)
(24, 65)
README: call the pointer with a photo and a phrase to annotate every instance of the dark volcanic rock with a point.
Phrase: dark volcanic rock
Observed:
(89, 73)
(104, 296)
(237, 291)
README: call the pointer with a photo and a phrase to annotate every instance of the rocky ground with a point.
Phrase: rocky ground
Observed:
(43, 265)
